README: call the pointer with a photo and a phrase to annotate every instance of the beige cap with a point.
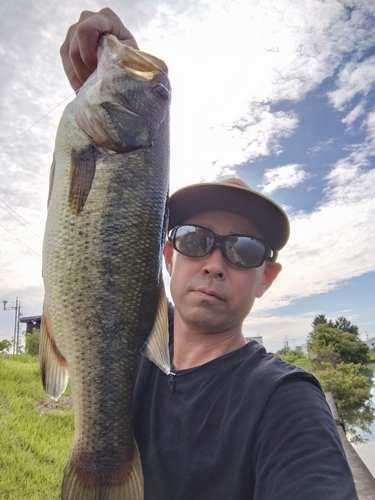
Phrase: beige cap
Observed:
(232, 195)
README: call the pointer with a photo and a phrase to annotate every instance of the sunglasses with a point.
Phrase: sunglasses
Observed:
(239, 249)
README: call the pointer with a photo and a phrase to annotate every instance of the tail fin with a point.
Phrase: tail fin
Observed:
(85, 480)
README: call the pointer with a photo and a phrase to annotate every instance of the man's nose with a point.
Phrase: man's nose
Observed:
(214, 263)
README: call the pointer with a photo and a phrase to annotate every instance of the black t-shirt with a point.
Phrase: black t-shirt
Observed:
(245, 426)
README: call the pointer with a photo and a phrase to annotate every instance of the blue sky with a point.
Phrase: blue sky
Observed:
(279, 93)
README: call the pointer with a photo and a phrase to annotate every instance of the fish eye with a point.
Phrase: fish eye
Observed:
(162, 91)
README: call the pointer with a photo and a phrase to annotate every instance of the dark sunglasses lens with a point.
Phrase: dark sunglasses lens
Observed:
(193, 241)
(244, 251)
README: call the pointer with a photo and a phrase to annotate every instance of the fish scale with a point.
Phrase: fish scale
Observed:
(102, 264)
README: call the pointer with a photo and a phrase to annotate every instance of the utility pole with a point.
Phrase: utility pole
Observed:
(286, 343)
(16, 332)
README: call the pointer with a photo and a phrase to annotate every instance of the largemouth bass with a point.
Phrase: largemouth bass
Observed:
(102, 263)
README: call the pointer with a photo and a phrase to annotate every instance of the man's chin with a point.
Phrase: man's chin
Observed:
(203, 317)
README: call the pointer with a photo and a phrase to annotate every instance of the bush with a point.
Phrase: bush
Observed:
(5, 345)
(348, 387)
(292, 356)
(32, 342)
(322, 355)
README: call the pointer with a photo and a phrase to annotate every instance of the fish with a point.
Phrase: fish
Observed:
(104, 298)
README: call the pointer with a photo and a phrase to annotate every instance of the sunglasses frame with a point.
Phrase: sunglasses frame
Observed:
(267, 254)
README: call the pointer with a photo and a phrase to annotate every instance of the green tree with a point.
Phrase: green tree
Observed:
(320, 319)
(325, 343)
(5, 345)
(341, 322)
(348, 387)
(345, 325)
(32, 342)
(320, 355)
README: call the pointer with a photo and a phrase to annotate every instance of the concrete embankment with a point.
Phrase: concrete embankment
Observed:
(364, 480)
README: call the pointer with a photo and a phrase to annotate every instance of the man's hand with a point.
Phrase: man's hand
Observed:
(78, 52)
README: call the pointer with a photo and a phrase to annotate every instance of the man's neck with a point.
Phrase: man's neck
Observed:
(193, 348)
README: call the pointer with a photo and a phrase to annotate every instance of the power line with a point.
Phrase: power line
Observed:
(20, 241)
(20, 216)
(31, 126)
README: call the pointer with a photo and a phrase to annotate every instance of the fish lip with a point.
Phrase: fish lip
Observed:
(210, 292)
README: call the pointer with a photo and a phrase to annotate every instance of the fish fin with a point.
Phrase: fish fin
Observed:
(51, 179)
(156, 347)
(115, 480)
(53, 365)
(82, 171)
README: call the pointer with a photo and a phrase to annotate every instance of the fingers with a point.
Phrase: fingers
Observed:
(78, 52)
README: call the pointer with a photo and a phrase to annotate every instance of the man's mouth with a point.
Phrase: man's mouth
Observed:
(209, 293)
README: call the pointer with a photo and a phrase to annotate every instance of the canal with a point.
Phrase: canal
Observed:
(360, 426)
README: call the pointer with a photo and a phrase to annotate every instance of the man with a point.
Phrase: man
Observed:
(231, 422)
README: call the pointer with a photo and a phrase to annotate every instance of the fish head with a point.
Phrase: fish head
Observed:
(125, 102)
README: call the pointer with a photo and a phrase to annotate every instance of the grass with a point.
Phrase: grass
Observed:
(35, 433)
(304, 363)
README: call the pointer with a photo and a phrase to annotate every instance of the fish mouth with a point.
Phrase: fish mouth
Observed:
(107, 111)
(139, 66)
(137, 63)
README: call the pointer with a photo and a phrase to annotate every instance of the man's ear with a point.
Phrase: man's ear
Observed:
(168, 254)
(270, 273)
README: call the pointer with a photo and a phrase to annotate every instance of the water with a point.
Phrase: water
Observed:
(360, 427)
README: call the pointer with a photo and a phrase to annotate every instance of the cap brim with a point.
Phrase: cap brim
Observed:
(271, 219)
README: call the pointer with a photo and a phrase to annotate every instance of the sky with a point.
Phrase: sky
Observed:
(280, 94)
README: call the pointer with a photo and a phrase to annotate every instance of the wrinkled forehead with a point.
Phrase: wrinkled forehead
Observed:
(225, 223)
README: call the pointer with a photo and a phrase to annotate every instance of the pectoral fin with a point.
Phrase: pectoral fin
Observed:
(156, 347)
(82, 171)
(53, 365)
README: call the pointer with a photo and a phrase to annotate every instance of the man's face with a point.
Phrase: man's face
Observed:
(211, 294)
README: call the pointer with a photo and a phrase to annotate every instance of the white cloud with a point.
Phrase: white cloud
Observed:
(294, 327)
(333, 243)
(205, 148)
(326, 145)
(229, 63)
(275, 329)
(355, 78)
(286, 176)
(231, 60)
(354, 113)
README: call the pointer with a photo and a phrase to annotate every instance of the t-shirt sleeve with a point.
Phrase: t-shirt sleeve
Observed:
(298, 452)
